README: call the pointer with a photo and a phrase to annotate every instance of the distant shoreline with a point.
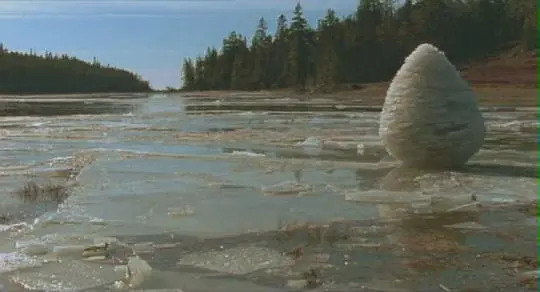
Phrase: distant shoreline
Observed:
(373, 95)
(96, 95)
(508, 79)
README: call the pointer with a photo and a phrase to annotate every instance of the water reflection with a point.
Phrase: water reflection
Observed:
(420, 253)
(428, 242)
(322, 153)
(404, 178)
(279, 107)
(369, 178)
(501, 170)
(401, 178)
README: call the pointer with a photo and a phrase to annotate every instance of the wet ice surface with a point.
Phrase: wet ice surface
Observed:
(257, 200)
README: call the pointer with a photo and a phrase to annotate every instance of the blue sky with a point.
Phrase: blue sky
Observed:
(149, 37)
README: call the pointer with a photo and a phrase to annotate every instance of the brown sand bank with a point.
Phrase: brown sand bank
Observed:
(505, 80)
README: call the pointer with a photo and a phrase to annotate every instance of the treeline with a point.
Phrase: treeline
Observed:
(29, 73)
(368, 46)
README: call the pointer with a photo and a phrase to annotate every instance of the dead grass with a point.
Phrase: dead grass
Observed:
(512, 68)
(5, 218)
(32, 192)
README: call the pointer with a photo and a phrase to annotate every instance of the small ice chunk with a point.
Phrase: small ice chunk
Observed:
(297, 284)
(532, 221)
(286, 188)
(224, 185)
(19, 244)
(247, 153)
(35, 249)
(122, 271)
(95, 258)
(105, 240)
(13, 227)
(468, 207)
(360, 149)
(498, 198)
(120, 285)
(530, 275)
(139, 271)
(143, 247)
(96, 250)
(181, 211)
(69, 250)
(467, 225)
(453, 203)
(237, 260)
(14, 261)
(389, 197)
(159, 290)
(69, 275)
(311, 142)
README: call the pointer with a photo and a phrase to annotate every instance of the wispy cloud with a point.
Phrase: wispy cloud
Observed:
(150, 8)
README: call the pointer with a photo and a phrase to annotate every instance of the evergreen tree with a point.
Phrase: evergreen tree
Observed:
(327, 51)
(279, 53)
(299, 50)
(30, 73)
(188, 75)
(240, 73)
(260, 56)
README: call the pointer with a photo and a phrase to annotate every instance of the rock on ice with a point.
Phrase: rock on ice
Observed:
(430, 116)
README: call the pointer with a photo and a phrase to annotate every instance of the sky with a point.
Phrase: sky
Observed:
(148, 37)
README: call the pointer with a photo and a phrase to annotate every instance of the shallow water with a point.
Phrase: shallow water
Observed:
(217, 199)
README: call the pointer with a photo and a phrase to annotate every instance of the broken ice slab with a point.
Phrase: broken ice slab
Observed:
(386, 197)
(69, 275)
(446, 201)
(15, 261)
(247, 153)
(237, 260)
(414, 201)
(286, 188)
(501, 198)
(530, 275)
(65, 216)
(13, 227)
(467, 226)
(467, 207)
(159, 290)
(173, 281)
(139, 271)
(453, 202)
(69, 250)
(311, 142)
(34, 249)
(180, 211)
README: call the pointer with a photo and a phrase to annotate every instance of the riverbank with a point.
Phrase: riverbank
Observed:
(96, 95)
(373, 95)
(508, 79)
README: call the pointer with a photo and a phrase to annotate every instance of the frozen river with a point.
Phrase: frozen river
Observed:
(236, 196)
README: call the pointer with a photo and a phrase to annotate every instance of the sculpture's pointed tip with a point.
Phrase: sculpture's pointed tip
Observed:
(426, 46)
(426, 49)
